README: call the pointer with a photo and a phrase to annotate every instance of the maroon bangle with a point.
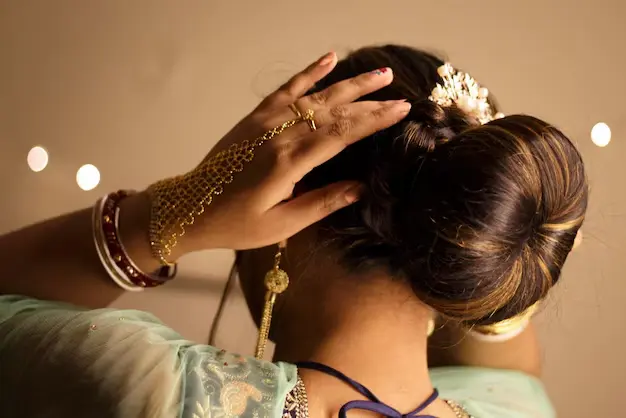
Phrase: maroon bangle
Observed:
(114, 246)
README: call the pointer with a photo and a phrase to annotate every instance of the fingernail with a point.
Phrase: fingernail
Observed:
(381, 71)
(353, 193)
(403, 107)
(327, 59)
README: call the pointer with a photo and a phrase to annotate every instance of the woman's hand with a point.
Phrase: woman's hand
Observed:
(257, 208)
(251, 211)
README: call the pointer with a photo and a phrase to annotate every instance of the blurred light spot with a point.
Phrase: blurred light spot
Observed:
(37, 159)
(578, 240)
(601, 134)
(88, 177)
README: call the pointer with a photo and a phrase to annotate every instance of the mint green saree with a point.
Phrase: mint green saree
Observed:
(57, 360)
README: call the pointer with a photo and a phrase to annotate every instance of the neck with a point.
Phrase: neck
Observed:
(373, 330)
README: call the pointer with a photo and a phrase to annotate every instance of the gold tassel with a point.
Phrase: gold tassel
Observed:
(276, 282)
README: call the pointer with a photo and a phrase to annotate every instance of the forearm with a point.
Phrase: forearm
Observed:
(451, 346)
(56, 259)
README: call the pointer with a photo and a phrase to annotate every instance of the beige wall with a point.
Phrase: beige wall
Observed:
(143, 88)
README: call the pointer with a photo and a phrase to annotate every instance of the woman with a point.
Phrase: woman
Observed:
(395, 195)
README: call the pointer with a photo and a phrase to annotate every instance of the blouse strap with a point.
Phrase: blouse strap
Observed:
(373, 404)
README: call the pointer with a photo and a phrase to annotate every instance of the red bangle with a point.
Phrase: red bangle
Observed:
(110, 216)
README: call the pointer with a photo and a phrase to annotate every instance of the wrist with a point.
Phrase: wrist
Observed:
(135, 215)
(134, 222)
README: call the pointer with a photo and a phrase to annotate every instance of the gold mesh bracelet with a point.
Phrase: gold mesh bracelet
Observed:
(177, 201)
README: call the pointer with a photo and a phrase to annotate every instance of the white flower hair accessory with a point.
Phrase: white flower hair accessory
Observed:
(461, 89)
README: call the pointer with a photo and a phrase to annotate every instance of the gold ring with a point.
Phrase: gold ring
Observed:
(309, 118)
(295, 110)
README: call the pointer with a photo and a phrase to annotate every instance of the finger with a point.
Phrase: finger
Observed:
(330, 140)
(347, 91)
(323, 117)
(302, 82)
(313, 206)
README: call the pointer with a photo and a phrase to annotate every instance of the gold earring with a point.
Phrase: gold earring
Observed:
(430, 327)
(276, 281)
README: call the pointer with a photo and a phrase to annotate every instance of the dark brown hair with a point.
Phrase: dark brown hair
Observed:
(479, 218)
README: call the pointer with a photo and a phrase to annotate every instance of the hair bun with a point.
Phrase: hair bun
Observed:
(490, 217)
(477, 218)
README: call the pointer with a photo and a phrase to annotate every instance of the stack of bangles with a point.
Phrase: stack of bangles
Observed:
(111, 252)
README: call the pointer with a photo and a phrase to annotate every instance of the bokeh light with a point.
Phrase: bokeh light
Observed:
(601, 134)
(37, 159)
(88, 177)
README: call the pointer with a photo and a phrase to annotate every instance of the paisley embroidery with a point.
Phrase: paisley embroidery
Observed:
(223, 385)
(235, 396)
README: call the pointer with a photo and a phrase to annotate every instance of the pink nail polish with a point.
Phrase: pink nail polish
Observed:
(327, 59)
(381, 71)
